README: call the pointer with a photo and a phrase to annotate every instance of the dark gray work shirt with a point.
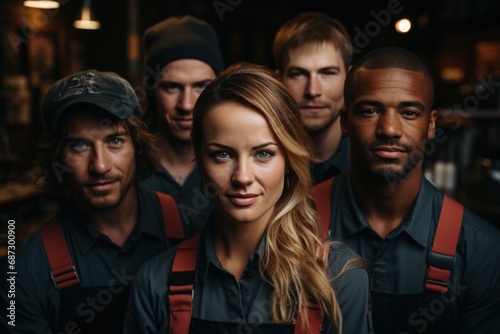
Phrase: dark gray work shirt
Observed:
(194, 206)
(219, 296)
(398, 262)
(98, 261)
(338, 163)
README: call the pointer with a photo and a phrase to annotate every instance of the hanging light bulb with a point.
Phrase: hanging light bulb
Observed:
(42, 4)
(86, 19)
(403, 26)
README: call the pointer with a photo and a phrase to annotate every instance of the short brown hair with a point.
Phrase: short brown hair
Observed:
(309, 29)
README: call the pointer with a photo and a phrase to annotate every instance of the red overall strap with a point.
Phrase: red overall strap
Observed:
(181, 291)
(322, 194)
(314, 313)
(173, 224)
(442, 256)
(181, 286)
(63, 271)
(315, 318)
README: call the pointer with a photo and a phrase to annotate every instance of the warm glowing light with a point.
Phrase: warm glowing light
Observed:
(87, 24)
(42, 4)
(403, 26)
(452, 74)
(86, 20)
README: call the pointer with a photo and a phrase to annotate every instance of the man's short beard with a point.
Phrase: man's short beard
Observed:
(392, 175)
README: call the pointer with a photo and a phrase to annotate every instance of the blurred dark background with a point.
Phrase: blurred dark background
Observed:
(459, 40)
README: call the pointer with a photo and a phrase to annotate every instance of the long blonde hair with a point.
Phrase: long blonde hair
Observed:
(291, 262)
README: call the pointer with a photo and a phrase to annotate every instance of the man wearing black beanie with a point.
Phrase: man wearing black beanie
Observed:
(182, 56)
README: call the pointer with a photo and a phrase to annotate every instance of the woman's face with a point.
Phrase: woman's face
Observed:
(242, 163)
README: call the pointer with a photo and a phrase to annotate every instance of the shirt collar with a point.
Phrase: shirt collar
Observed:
(341, 158)
(336, 164)
(412, 224)
(147, 223)
(210, 257)
(86, 235)
(355, 220)
(194, 174)
(418, 222)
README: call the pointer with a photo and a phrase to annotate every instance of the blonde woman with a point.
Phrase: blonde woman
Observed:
(260, 265)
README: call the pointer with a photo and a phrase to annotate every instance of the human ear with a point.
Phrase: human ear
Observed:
(432, 125)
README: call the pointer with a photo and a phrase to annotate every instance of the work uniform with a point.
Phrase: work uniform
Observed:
(336, 164)
(398, 266)
(105, 271)
(222, 304)
(193, 205)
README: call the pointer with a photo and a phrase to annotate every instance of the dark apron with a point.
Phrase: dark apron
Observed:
(92, 309)
(199, 326)
(424, 313)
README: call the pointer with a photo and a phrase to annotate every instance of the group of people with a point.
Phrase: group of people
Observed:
(247, 200)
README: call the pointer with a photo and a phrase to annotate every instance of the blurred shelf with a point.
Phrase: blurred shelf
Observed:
(481, 113)
(481, 195)
(24, 228)
(12, 192)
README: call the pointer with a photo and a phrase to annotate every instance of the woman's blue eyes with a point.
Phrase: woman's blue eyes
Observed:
(221, 155)
(262, 155)
(266, 154)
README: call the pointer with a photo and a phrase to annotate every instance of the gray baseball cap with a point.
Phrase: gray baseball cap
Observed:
(106, 90)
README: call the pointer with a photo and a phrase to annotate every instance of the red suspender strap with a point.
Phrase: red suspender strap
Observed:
(315, 318)
(63, 272)
(181, 286)
(173, 224)
(322, 194)
(442, 256)
(181, 291)
(314, 313)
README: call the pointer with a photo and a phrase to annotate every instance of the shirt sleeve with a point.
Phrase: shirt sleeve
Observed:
(352, 291)
(480, 288)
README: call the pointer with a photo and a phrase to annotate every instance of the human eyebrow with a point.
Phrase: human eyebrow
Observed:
(118, 134)
(258, 147)
(169, 83)
(329, 68)
(220, 145)
(364, 103)
(70, 140)
(204, 82)
(114, 134)
(415, 104)
(229, 148)
(296, 69)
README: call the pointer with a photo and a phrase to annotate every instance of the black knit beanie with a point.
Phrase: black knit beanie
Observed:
(182, 37)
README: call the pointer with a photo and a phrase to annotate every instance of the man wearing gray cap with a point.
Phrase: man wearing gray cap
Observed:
(74, 274)
(182, 57)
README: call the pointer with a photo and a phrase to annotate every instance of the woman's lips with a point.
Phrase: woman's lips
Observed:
(243, 200)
